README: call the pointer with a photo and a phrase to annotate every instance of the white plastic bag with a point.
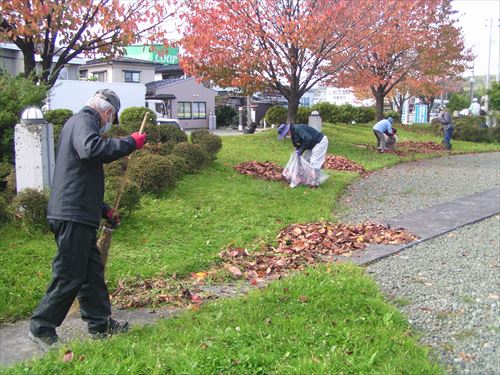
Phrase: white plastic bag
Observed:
(298, 171)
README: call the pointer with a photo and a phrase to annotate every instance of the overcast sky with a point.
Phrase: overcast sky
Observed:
(474, 18)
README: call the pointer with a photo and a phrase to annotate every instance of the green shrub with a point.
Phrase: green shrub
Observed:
(472, 134)
(30, 208)
(181, 166)
(364, 114)
(163, 149)
(152, 173)
(303, 115)
(5, 169)
(17, 94)
(165, 133)
(327, 111)
(210, 143)
(131, 118)
(11, 187)
(495, 133)
(116, 168)
(458, 101)
(469, 128)
(276, 115)
(118, 132)
(4, 209)
(226, 116)
(196, 135)
(395, 115)
(58, 118)
(130, 199)
(196, 158)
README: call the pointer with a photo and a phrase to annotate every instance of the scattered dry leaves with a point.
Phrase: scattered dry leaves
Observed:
(341, 163)
(414, 147)
(264, 170)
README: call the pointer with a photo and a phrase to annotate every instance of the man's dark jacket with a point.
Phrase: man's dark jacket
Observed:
(305, 137)
(78, 185)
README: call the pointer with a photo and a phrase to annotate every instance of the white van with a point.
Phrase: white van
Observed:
(157, 106)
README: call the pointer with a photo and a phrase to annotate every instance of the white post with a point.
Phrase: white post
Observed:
(315, 121)
(34, 146)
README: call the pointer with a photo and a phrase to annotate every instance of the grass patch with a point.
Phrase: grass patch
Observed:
(183, 230)
(328, 320)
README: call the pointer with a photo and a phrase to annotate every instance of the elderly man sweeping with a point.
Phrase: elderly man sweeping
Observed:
(74, 213)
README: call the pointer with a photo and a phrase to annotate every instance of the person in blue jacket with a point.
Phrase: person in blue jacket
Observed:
(308, 142)
(74, 212)
(382, 129)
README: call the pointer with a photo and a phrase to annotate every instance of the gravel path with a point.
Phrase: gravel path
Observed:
(448, 287)
(409, 187)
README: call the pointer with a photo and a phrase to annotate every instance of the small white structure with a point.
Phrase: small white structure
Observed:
(212, 121)
(315, 121)
(34, 148)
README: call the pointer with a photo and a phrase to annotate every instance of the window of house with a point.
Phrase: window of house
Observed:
(184, 110)
(132, 76)
(84, 74)
(199, 110)
(99, 76)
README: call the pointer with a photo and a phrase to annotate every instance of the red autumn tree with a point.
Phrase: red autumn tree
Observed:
(417, 40)
(286, 45)
(60, 30)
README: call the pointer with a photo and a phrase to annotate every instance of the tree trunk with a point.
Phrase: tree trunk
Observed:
(249, 110)
(28, 51)
(293, 108)
(379, 106)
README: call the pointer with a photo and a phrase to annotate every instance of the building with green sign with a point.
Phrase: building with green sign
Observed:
(155, 53)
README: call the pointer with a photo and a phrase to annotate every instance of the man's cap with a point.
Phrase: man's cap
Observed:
(390, 119)
(474, 100)
(282, 130)
(113, 99)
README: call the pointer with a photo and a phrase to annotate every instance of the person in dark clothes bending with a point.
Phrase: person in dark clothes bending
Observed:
(74, 212)
(308, 142)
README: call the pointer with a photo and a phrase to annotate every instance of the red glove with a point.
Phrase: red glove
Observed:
(139, 138)
(394, 131)
(112, 217)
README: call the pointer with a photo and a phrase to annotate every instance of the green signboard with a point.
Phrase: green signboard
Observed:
(159, 55)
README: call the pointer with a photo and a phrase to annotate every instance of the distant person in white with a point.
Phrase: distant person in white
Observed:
(474, 108)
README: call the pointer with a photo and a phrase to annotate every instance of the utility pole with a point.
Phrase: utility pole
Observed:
(487, 99)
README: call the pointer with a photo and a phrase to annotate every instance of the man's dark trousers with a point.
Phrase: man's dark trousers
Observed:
(77, 270)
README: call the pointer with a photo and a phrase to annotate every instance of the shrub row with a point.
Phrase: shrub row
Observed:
(166, 158)
(331, 113)
(471, 128)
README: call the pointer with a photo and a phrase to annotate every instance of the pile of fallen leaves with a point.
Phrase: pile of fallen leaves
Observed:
(341, 163)
(299, 245)
(420, 147)
(265, 170)
(135, 292)
(303, 244)
(413, 147)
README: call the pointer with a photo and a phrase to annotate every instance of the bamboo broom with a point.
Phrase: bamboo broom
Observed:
(104, 241)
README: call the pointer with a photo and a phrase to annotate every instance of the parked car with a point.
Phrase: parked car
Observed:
(169, 121)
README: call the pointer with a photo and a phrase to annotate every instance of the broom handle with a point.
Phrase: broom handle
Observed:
(125, 173)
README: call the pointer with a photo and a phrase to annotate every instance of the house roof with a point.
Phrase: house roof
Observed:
(164, 82)
(121, 60)
(168, 68)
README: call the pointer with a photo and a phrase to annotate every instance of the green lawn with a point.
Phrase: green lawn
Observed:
(185, 229)
(325, 321)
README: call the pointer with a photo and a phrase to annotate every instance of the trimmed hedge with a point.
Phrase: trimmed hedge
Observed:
(276, 115)
(209, 142)
(165, 133)
(58, 118)
(196, 158)
(131, 118)
(153, 173)
(30, 209)
(470, 128)
(130, 199)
